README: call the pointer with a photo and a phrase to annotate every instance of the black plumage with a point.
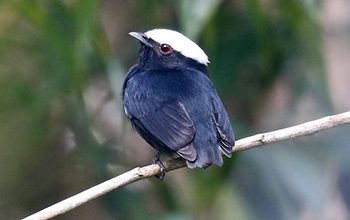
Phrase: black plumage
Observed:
(174, 106)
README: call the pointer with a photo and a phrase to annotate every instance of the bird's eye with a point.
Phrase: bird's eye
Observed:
(165, 48)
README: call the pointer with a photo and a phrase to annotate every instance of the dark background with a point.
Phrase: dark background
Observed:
(275, 63)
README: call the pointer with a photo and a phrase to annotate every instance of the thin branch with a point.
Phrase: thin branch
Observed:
(139, 173)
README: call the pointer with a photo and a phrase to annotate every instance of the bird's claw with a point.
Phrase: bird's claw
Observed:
(157, 161)
(162, 170)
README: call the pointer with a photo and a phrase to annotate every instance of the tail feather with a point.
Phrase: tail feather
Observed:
(206, 157)
(188, 153)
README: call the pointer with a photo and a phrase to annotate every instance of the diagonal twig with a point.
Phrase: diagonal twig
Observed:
(139, 173)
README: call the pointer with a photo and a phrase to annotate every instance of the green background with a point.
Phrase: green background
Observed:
(275, 63)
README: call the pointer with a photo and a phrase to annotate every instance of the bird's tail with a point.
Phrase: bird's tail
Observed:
(206, 157)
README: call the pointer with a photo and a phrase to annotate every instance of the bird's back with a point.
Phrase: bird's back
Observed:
(193, 103)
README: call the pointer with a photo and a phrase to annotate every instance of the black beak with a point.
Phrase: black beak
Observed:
(141, 37)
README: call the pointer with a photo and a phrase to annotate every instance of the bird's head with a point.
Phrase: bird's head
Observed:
(163, 48)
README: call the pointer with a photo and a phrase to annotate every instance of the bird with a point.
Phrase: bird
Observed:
(172, 103)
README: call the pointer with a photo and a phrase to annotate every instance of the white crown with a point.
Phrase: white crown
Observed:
(179, 43)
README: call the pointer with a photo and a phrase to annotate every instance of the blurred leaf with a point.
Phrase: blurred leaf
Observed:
(195, 14)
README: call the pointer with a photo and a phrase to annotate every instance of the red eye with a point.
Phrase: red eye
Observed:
(165, 48)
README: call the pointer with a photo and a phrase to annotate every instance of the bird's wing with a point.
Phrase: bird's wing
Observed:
(168, 122)
(223, 127)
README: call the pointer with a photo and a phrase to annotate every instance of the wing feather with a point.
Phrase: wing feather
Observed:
(224, 130)
(168, 123)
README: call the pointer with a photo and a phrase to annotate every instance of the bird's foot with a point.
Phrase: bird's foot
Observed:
(157, 161)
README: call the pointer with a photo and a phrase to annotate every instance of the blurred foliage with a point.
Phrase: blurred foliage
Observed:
(62, 128)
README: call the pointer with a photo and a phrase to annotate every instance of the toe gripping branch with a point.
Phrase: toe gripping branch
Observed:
(157, 161)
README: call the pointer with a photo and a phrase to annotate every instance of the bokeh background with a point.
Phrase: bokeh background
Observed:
(275, 63)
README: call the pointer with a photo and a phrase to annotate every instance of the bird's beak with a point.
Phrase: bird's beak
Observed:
(141, 37)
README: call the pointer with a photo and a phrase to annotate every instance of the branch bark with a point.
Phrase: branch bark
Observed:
(139, 173)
